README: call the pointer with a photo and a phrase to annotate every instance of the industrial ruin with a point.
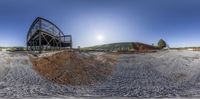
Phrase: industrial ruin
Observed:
(44, 35)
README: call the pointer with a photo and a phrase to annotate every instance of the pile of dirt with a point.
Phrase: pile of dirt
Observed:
(73, 68)
(140, 47)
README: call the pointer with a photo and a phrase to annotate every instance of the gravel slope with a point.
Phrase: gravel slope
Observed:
(20, 80)
(162, 74)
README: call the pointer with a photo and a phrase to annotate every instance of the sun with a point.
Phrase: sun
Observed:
(100, 37)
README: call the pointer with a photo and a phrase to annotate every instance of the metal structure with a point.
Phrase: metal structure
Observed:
(43, 35)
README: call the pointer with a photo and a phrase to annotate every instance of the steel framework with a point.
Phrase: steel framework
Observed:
(43, 35)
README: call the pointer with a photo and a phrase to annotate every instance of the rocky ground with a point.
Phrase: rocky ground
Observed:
(169, 73)
(161, 74)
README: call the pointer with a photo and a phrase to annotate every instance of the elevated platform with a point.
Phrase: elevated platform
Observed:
(43, 35)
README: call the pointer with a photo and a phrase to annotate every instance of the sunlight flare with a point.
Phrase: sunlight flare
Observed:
(100, 37)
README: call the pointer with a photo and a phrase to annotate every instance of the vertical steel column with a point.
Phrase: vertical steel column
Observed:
(64, 42)
(60, 40)
(70, 42)
(27, 45)
(40, 36)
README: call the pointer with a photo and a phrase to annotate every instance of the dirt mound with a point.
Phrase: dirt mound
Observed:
(74, 68)
(140, 47)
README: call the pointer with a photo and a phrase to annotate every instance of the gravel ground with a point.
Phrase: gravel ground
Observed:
(20, 80)
(163, 74)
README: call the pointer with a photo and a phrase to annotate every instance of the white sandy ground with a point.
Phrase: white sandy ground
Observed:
(167, 73)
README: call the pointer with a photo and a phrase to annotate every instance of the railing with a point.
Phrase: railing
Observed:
(44, 25)
(44, 35)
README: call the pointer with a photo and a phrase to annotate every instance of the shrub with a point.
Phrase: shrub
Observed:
(161, 43)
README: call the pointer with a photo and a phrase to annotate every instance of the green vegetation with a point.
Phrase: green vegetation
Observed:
(18, 49)
(126, 46)
(13, 49)
(162, 43)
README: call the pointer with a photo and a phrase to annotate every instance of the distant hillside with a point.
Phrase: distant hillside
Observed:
(125, 46)
(112, 47)
(141, 47)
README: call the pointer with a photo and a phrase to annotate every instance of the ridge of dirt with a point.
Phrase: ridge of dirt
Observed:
(73, 68)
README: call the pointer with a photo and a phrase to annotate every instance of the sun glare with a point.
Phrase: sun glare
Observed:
(100, 37)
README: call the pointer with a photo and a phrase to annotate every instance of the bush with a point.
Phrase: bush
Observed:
(161, 43)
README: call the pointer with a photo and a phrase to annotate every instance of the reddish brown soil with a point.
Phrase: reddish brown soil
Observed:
(140, 47)
(72, 68)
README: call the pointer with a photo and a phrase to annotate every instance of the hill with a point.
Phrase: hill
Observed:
(124, 46)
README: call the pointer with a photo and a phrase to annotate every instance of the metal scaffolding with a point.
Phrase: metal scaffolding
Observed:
(43, 35)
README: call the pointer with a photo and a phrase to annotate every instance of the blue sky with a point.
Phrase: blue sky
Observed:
(176, 21)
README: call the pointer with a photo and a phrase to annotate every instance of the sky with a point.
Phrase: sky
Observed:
(93, 22)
